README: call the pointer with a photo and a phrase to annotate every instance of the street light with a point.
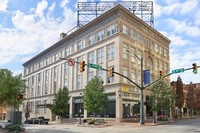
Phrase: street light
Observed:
(80, 109)
(141, 90)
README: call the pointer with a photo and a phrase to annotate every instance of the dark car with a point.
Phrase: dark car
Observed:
(32, 121)
(42, 120)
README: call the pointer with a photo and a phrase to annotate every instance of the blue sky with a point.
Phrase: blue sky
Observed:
(27, 27)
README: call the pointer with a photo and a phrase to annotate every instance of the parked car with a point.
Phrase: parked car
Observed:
(42, 120)
(32, 121)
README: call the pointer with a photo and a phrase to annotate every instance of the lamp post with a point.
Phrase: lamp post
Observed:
(80, 109)
(141, 90)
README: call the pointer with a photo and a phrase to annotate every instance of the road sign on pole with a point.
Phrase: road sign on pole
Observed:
(94, 66)
(178, 70)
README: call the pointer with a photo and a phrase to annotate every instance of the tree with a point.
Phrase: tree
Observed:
(197, 100)
(10, 87)
(60, 104)
(94, 99)
(27, 111)
(179, 94)
(190, 99)
(161, 97)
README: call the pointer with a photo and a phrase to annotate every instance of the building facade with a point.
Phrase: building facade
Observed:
(103, 41)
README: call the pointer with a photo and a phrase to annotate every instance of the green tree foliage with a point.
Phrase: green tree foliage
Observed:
(161, 97)
(190, 99)
(60, 104)
(197, 100)
(10, 87)
(94, 99)
(179, 93)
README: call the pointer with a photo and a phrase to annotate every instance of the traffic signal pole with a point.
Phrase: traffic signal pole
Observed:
(142, 87)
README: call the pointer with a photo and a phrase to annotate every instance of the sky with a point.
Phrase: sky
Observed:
(27, 27)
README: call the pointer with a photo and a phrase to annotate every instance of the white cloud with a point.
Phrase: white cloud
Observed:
(33, 34)
(184, 27)
(3, 5)
(41, 6)
(64, 3)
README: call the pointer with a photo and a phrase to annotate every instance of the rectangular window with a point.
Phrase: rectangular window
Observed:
(90, 75)
(67, 51)
(100, 74)
(33, 80)
(110, 30)
(47, 75)
(66, 68)
(100, 35)
(47, 61)
(161, 50)
(132, 34)
(91, 57)
(100, 55)
(91, 39)
(56, 56)
(133, 75)
(156, 65)
(46, 88)
(66, 83)
(72, 48)
(110, 51)
(55, 87)
(132, 54)
(139, 39)
(166, 68)
(79, 82)
(78, 64)
(39, 90)
(125, 53)
(125, 31)
(140, 56)
(39, 77)
(55, 71)
(125, 73)
(156, 47)
(165, 52)
(79, 45)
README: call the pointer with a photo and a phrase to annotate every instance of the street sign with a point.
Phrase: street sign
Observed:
(71, 62)
(178, 70)
(94, 66)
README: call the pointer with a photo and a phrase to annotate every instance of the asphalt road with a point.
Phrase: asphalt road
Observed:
(181, 126)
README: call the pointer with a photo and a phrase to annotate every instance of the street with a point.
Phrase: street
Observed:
(181, 126)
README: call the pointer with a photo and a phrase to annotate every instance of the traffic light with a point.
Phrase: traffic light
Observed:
(111, 72)
(194, 68)
(82, 66)
(20, 96)
(162, 75)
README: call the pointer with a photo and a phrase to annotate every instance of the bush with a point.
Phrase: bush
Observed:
(162, 118)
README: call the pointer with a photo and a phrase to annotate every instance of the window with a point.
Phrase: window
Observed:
(166, 68)
(156, 65)
(125, 53)
(139, 39)
(100, 74)
(78, 64)
(39, 90)
(161, 65)
(46, 89)
(149, 64)
(132, 34)
(133, 75)
(91, 39)
(156, 47)
(66, 83)
(140, 56)
(79, 82)
(132, 54)
(91, 57)
(125, 31)
(161, 50)
(47, 75)
(39, 77)
(56, 56)
(67, 51)
(165, 52)
(100, 35)
(55, 87)
(55, 71)
(110, 30)
(100, 55)
(72, 48)
(47, 61)
(90, 76)
(110, 51)
(33, 80)
(125, 73)
(79, 45)
(45, 108)
(66, 68)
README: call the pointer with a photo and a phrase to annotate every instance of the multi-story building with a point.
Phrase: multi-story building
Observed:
(102, 41)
